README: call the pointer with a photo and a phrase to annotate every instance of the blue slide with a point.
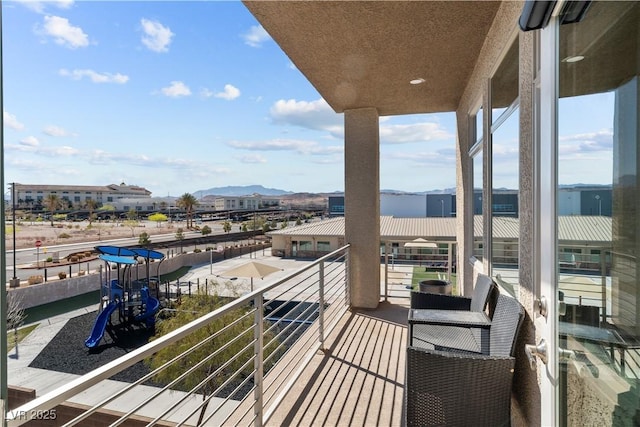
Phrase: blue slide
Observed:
(100, 325)
(151, 307)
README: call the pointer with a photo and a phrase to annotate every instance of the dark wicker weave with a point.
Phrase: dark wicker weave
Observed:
(445, 388)
(481, 292)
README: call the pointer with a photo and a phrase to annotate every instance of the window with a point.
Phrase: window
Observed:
(324, 246)
(305, 245)
(504, 169)
(477, 203)
(598, 160)
(477, 163)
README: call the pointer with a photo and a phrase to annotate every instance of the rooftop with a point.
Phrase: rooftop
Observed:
(593, 229)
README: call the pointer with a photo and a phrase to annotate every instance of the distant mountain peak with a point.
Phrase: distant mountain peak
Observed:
(241, 190)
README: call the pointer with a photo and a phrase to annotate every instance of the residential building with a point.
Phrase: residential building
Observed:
(581, 240)
(33, 195)
(255, 202)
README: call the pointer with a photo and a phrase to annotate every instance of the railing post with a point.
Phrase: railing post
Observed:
(258, 361)
(603, 274)
(386, 271)
(346, 278)
(321, 305)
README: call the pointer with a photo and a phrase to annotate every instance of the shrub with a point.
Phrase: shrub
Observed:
(69, 226)
(49, 259)
(64, 236)
(73, 258)
(62, 275)
(34, 280)
(197, 250)
(81, 273)
(80, 255)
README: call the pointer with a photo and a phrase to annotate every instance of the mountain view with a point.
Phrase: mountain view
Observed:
(242, 190)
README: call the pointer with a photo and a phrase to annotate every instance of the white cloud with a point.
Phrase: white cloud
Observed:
(586, 143)
(445, 157)
(176, 89)
(57, 131)
(94, 76)
(410, 133)
(156, 36)
(316, 115)
(30, 141)
(64, 151)
(297, 146)
(230, 93)
(11, 121)
(253, 158)
(206, 93)
(40, 6)
(256, 36)
(64, 33)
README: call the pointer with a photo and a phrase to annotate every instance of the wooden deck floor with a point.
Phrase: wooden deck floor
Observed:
(359, 379)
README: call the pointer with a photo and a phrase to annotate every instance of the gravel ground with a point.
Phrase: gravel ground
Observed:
(67, 353)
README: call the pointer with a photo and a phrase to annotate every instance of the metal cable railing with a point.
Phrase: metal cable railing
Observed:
(234, 364)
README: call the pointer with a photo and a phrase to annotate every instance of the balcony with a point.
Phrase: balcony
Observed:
(308, 360)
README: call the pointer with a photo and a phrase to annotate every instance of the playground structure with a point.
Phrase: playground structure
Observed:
(133, 299)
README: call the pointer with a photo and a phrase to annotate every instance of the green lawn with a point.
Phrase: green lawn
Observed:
(174, 275)
(22, 333)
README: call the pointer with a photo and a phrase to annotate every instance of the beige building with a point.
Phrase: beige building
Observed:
(228, 203)
(32, 195)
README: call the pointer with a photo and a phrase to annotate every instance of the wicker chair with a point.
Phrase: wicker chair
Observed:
(451, 387)
(482, 291)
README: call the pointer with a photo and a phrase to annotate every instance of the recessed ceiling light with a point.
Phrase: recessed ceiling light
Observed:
(417, 81)
(575, 58)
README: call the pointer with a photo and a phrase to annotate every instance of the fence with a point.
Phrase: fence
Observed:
(242, 359)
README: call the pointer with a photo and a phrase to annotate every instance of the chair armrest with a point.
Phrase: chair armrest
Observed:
(439, 301)
(453, 329)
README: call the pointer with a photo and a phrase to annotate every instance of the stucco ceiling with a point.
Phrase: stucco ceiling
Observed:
(364, 53)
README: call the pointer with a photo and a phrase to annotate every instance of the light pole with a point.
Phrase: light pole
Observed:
(15, 282)
(599, 204)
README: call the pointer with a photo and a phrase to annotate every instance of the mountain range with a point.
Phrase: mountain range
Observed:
(247, 190)
(241, 190)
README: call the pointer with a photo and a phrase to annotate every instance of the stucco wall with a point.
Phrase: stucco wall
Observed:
(526, 404)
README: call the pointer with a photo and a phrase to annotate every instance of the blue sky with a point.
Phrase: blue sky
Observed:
(179, 98)
(184, 96)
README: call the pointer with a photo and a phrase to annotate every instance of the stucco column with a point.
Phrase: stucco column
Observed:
(362, 204)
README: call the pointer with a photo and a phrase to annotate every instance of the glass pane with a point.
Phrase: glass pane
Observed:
(504, 84)
(599, 215)
(479, 124)
(477, 206)
(504, 204)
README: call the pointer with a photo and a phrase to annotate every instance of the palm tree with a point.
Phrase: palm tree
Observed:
(187, 202)
(52, 203)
